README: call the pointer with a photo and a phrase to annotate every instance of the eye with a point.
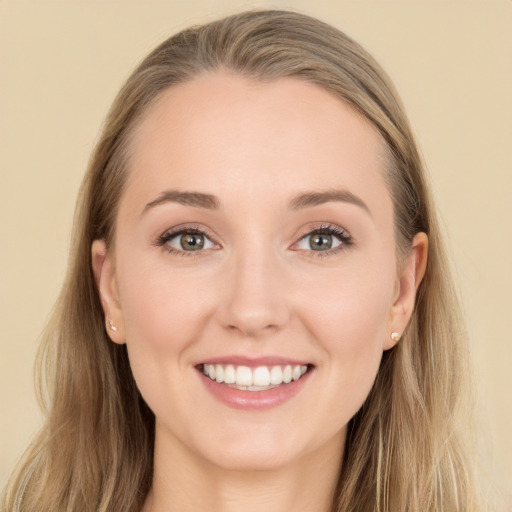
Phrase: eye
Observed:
(185, 240)
(324, 239)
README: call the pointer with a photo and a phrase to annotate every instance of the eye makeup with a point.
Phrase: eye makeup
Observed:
(186, 241)
(191, 240)
(324, 240)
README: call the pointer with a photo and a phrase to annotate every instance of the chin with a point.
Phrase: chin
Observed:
(258, 449)
(252, 458)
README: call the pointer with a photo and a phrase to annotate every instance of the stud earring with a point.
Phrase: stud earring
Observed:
(395, 336)
(111, 326)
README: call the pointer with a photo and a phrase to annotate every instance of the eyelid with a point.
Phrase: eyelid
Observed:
(326, 227)
(175, 241)
(308, 230)
(175, 231)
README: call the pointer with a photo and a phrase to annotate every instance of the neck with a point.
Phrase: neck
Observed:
(186, 483)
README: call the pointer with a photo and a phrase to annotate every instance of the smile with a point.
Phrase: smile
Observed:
(260, 378)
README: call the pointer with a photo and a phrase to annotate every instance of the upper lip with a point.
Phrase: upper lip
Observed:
(254, 362)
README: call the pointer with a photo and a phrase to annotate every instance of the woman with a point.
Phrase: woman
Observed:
(258, 313)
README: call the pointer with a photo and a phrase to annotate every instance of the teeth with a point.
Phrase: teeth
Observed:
(254, 379)
(287, 374)
(261, 376)
(229, 374)
(296, 373)
(219, 373)
(276, 375)
(244, 376)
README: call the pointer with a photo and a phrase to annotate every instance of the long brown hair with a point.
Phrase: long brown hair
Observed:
(405, 448)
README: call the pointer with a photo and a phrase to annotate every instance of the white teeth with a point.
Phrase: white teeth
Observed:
(276, 375)
(243, 376)
(229, 374)
(258, 388)
(254, 379)
(287, 374)
(219, 373)
(261, 376)
(296, 373)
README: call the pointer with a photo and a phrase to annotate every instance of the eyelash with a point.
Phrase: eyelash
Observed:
(343, 236)
(169, 235)
(328, 229)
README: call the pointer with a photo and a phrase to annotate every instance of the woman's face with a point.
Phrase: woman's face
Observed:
(254, 242)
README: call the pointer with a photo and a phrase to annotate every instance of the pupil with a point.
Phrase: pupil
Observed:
(321, 241)
(192, 241)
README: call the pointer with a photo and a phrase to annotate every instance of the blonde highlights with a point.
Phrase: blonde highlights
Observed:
(405, 449)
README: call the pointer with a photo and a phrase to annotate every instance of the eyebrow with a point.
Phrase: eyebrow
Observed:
(197, 199)
(211, 202)
(310, 199)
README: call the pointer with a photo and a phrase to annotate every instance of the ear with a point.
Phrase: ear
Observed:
(104, 276)
(412, 272)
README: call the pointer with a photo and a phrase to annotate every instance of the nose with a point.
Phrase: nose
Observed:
(254, 299)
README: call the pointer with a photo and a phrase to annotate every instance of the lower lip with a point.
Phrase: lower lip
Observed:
(254, 400)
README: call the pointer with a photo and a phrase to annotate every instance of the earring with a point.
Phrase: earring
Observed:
(395, 336)
(111, 326)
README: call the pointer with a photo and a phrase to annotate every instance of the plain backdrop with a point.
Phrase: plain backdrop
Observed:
(62, 62)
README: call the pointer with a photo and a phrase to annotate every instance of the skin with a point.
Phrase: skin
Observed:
(258, 289)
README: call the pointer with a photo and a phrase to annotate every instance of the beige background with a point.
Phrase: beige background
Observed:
(61, 63)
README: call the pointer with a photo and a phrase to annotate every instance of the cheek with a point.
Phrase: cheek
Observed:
(163, 316)
(161, 308)
(350, 306)
(348, 317)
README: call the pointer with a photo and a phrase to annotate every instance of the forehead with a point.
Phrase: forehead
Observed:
(224, 134)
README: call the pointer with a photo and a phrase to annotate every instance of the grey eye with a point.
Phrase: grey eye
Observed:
(190, 242)
(319, 242)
